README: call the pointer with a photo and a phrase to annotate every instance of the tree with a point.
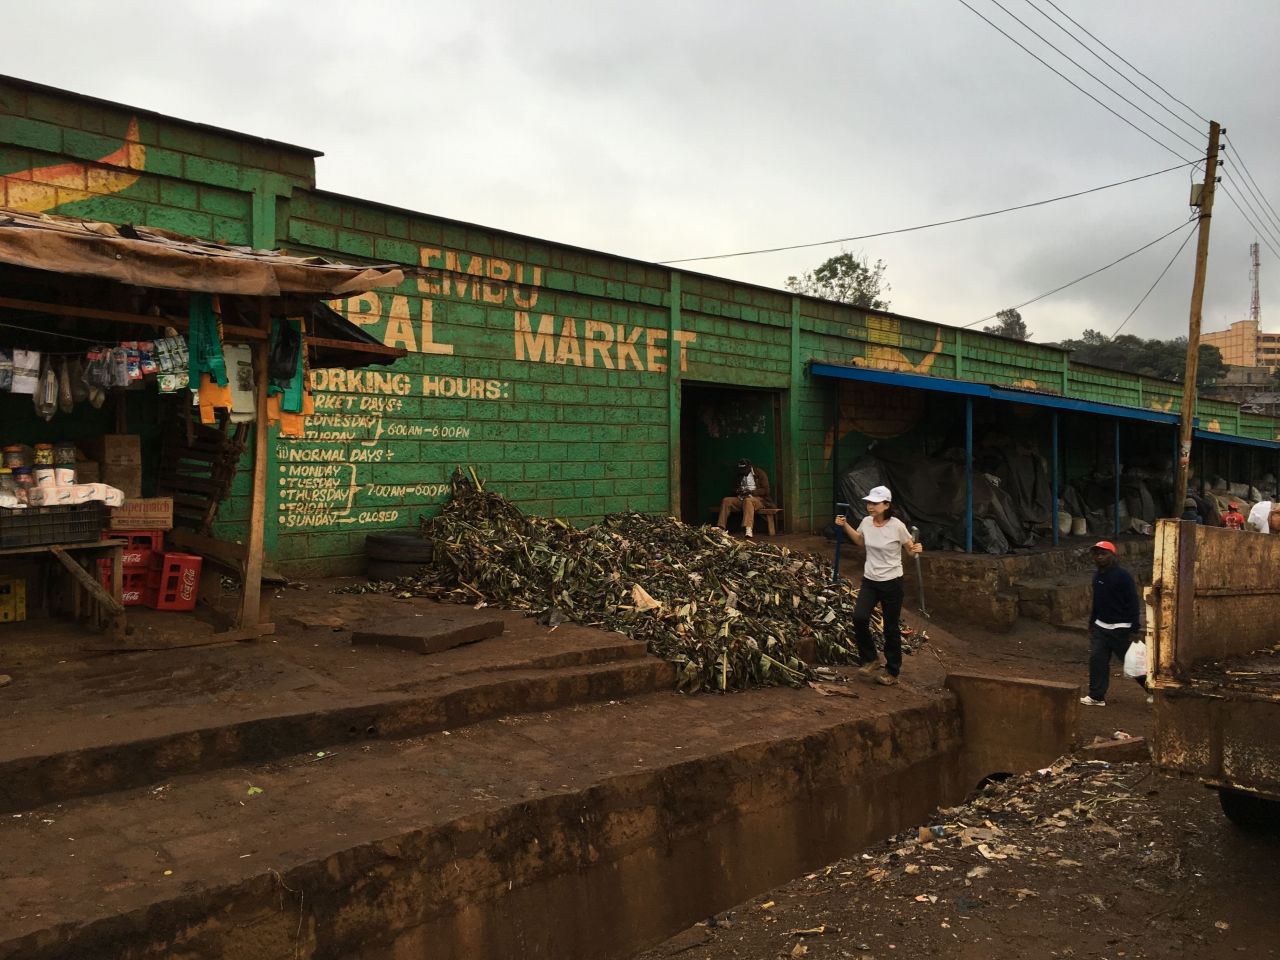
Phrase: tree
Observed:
(1166, 359)
(1009, 323)
(845, 279)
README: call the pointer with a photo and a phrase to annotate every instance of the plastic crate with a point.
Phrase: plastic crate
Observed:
(33, 526)
(13, 599)
(174, 581)
(133, 583)
(147, 541)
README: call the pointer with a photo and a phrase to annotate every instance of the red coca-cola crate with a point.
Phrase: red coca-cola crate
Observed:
(133, 583)
(139, 546)
(174, 581)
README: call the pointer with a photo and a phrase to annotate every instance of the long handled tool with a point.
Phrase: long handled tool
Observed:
(835, 576)
(915, 537)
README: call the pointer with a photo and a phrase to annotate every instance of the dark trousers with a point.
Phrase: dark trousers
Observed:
(887, 593)
(1103, 644)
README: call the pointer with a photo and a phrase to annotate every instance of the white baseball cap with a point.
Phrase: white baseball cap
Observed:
(879, 495)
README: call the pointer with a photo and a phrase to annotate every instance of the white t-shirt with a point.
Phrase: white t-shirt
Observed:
(1257, 521)
(884, 548)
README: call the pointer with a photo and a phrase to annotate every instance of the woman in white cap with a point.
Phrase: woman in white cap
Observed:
(884, 537)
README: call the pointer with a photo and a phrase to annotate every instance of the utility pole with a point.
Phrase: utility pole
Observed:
(1193, 332)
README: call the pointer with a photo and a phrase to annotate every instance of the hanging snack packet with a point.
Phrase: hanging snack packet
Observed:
(146, 358)
(6, 371)
(26, 371)
(118, 367)
(133, 360)
(46, 395)
(66, 402)
(79, 389)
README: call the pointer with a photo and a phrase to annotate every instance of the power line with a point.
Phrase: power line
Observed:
(1262, 234)
(1235, 150)
(1260, 225)
(1104, 106)
(936, 223)
(1072, 283)
(1257, 222)
(1185, 241)
(1127, 63)
(1089, 73)
(1177, 116)
(1256, 205)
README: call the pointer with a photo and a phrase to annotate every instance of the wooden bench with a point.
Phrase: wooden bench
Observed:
(769, 514)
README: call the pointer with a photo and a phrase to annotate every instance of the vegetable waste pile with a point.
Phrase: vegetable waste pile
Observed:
(729, 613)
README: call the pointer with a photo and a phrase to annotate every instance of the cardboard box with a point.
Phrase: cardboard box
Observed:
(88, 471)
(121, 449)
(124, 477)
(153, 513)
(119, 458)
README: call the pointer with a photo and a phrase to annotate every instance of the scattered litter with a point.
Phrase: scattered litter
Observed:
(254, 791)
(1222, 925)
(833, 690)
(811, 931)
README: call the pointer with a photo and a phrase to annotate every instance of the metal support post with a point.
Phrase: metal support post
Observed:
(968, 474)
(1116, 524)
(1054, 481)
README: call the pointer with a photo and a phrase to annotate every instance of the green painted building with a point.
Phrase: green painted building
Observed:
(577, 383)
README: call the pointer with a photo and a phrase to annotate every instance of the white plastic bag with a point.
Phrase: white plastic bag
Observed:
(1135, 660)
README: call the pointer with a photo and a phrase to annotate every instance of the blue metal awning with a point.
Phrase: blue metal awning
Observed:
(1013, 395)
(989, 392)
(1232, 438)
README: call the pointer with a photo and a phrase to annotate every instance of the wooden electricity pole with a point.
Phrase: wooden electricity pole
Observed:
(1193, 332)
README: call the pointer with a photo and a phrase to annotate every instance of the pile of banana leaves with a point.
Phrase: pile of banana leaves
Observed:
(728, 612)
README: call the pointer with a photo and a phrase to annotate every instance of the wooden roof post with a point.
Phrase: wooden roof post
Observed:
(251, 600)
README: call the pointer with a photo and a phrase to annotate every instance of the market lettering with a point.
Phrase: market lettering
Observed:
(362, 381)
(296, 454)
(473, 388)
(451, 273)
(372, 308)
(607, 345)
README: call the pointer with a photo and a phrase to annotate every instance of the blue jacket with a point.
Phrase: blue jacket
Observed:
(1115, 597)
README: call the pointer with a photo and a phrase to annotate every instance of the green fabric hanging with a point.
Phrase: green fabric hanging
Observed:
(294, 394)
(204, 346)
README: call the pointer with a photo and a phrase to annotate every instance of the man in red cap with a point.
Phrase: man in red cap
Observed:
(1233, 519)
(1115, 617)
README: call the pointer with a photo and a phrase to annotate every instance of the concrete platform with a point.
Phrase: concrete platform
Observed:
(87, 725)
(432, 632)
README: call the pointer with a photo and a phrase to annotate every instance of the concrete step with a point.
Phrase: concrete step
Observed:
(133, 755)
(590, 832)
(1060, 600)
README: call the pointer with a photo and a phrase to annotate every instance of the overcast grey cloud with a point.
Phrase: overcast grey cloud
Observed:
(679, 129)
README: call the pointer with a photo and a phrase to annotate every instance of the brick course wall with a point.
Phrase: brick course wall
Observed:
(554, 371)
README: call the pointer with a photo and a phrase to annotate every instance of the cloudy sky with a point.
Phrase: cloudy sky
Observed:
(666, 129)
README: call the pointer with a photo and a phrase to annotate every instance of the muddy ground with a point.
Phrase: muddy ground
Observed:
(1090, 860)
(1140, 866)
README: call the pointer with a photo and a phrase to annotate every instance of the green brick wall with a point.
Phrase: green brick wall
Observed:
(555, 371)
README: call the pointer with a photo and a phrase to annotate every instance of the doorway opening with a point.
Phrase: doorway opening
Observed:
(718, 427)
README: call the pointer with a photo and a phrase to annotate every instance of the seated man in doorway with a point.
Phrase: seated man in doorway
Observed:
(751, 492)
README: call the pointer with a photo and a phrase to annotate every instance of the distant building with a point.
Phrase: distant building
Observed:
(1245, 345)
(1241, 384)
